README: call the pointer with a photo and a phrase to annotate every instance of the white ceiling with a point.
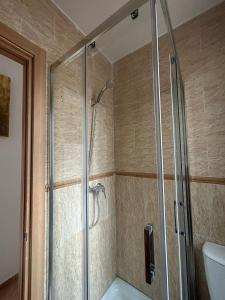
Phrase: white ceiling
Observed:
(129, 34)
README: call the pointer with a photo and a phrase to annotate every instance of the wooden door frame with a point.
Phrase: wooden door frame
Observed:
(33, 58)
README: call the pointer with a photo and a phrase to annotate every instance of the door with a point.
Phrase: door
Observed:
(175, 161)
(67, 218)
(134, 185)
(119, 194)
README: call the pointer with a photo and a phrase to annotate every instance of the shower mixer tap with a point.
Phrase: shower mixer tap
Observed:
(96, 190)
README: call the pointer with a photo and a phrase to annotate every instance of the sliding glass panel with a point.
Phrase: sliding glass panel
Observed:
(123, 191)
(183, 189)
(176, 180)
(116, 226)
(67, 201)
(169, 168)
(102, 206)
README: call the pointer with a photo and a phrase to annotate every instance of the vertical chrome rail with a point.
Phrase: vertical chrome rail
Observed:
(51, 191)
(50, 293)
(187, 248)
(159, 148)
(85, 216)
(168, 23)
(178, 172)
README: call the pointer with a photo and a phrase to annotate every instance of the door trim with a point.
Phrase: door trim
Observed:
(33, 58)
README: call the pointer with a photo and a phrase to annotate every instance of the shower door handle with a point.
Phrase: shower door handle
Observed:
(149, 254)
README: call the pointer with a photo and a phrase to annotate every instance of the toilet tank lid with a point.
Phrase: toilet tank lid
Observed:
(215, 252)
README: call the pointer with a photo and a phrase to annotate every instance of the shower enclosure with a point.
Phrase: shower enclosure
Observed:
(119, 205)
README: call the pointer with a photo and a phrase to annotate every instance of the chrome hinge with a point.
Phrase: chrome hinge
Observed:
(25, 236)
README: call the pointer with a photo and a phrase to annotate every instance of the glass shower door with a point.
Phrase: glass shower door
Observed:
(175, 163)
(126, 196)
(67, 201)
(119, 202)
(122, 169)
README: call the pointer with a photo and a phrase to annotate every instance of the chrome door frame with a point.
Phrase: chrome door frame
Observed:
(117, 17)
(51, 182)
(159, 150)
(184, 212)
(122, 13)
(183, 205)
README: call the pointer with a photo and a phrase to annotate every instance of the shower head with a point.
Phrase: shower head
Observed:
(108, 85)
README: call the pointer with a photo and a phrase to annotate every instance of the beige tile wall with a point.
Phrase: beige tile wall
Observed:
(99, 70)
(68, 259)
(68, 115)
(208, 209)
(69, 90)
(68, 241)
(137, 198)
(42, 24)
(39, 22)
(201, 49)
(103, 256)
(103, 235)
(134, 113)
(136, 207)
(68, 127)
(201, 44)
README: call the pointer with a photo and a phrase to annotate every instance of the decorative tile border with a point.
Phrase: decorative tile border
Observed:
(70, 182)
(199, 179)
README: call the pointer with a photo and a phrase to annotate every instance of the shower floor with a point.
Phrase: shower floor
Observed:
(121, 290)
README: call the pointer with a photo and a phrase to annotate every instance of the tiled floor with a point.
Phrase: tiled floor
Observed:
(10, 291)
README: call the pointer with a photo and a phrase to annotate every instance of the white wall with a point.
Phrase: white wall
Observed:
(10, 175)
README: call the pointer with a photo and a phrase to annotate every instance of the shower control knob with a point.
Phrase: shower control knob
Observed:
(103, 190)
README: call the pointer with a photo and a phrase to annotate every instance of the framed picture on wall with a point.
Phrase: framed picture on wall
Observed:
(4, 105)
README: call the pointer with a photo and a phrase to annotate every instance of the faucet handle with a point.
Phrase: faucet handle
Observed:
(101, 189)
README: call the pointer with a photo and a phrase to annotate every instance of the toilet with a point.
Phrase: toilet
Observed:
(214, 260)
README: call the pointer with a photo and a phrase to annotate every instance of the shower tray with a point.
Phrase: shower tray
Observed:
(121, 290)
